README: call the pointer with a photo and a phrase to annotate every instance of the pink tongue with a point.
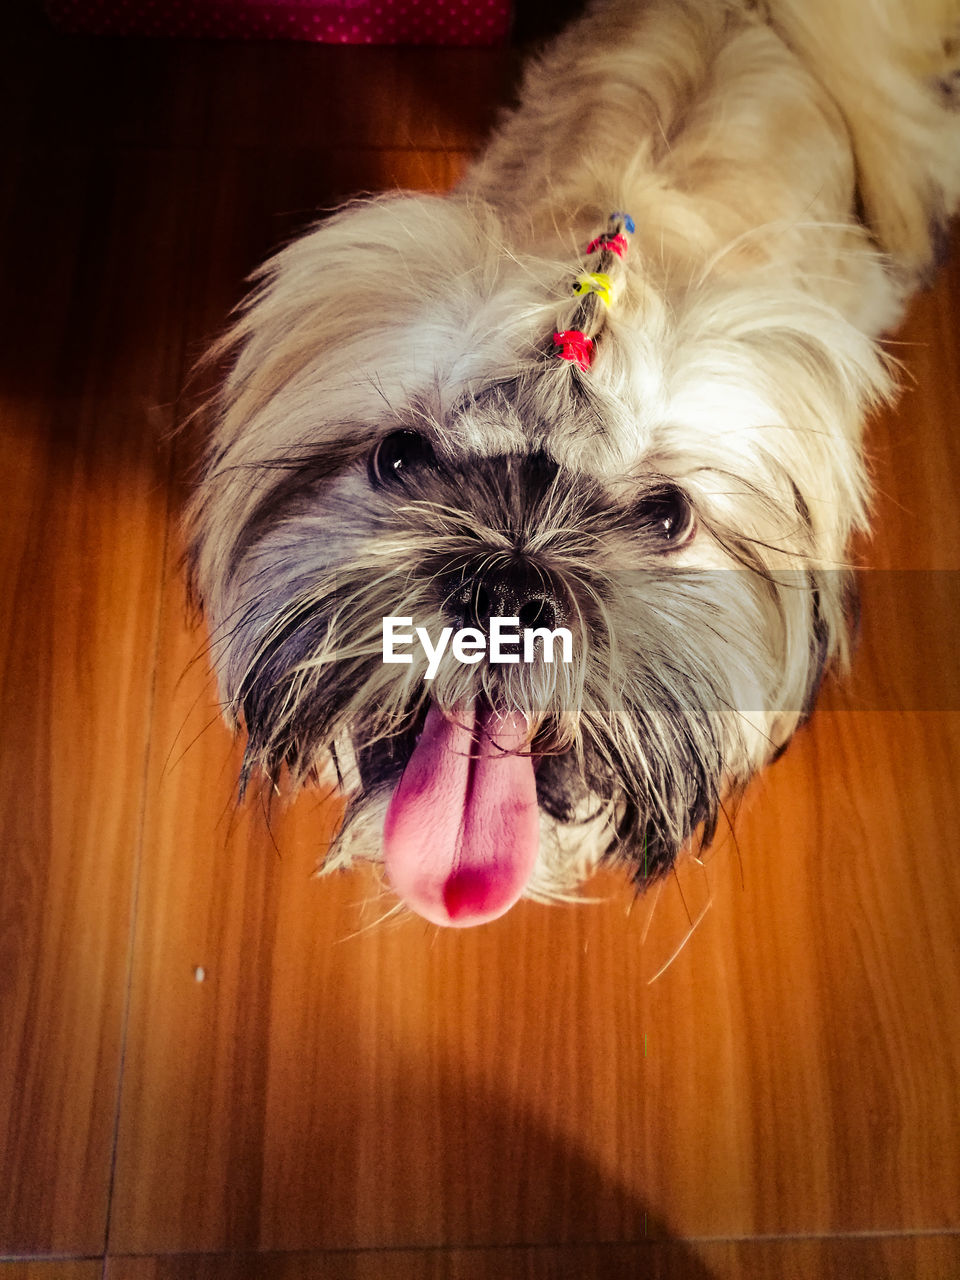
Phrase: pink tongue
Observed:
(462, 829)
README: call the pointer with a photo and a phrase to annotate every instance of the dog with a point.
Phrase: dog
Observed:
(526, 512)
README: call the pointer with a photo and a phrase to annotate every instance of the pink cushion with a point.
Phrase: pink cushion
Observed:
(440, 22)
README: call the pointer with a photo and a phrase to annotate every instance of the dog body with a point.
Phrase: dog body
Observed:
(613, 385)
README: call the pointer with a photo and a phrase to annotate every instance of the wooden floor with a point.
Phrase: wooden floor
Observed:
(399, 1102)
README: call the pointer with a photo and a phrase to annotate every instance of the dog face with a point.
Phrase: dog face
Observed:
(437, 462)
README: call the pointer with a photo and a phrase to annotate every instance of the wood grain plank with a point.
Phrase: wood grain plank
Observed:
(916, 449)
(86, 372)
(62, 1269)
(877, 1258)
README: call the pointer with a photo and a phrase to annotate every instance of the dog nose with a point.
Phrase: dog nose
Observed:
(506, 591)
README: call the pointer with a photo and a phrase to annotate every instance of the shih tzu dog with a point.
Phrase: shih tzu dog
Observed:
(526, 511)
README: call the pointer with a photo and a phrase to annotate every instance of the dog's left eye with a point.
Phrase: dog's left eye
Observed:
(668, 514)
(398, 453)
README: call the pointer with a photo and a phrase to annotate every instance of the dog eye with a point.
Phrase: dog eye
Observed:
(398, 453)
(668, 514)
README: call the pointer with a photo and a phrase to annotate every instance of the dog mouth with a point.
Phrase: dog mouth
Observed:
(461, 833)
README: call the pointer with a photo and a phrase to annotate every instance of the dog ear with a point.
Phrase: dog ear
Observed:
(834, 634)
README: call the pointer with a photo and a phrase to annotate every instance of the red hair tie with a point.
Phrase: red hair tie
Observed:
(615, 243)
(574, 346)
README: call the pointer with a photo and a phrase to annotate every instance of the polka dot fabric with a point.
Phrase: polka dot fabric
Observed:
(440, 22)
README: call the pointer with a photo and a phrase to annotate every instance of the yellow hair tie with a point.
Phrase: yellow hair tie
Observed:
(595, 282)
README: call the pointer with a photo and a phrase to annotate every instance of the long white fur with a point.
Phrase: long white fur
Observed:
(742, 357)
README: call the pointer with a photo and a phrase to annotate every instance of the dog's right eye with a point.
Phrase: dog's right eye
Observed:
(396, 455)
(667, 514)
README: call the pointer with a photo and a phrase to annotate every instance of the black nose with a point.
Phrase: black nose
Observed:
(515, 590)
